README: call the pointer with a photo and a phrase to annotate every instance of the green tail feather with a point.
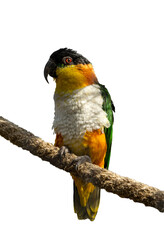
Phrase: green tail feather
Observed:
(91, 208)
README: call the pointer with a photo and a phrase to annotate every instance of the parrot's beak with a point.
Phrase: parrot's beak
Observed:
(50, 69)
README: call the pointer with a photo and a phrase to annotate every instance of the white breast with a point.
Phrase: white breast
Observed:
(79, 112)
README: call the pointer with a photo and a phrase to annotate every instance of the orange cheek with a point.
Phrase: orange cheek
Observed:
(74, 77)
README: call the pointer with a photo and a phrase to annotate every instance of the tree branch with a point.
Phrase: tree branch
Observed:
(111, 182)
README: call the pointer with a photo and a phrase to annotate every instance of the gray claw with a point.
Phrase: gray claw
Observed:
(63, 151)
(81, 160)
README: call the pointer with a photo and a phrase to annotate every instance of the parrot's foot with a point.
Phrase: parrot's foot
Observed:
(81, 160)
(63, 151)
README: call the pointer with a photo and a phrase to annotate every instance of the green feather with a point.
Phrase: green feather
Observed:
(108, 107)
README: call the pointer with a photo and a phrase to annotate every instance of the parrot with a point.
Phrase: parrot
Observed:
(83, 120)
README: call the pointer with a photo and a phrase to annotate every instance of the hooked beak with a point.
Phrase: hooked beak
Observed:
(50, 69)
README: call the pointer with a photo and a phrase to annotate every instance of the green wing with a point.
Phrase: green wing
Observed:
(108, 107)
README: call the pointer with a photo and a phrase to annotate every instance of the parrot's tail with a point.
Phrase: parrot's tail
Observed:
(86, 208)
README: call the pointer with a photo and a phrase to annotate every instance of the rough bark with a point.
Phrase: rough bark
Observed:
(108, 180)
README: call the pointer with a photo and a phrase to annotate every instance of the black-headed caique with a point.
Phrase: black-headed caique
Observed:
(83, 120)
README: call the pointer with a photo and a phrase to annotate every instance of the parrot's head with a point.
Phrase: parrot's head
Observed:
(70, 70)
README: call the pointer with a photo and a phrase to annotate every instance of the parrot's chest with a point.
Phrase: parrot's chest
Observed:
(77, 113)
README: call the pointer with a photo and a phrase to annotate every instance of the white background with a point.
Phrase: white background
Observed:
(125, 42)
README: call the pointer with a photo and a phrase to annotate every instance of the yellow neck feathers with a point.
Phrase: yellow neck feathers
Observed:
(74, 77)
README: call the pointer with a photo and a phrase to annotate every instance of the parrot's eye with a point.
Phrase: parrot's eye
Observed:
(67, 60)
